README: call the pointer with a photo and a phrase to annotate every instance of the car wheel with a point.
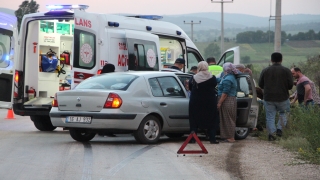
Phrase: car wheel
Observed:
(174, 135)
(149, 130)
(241, 133)
(81, 135)
(42, 123)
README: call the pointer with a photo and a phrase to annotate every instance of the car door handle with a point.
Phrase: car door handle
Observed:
(163, 104)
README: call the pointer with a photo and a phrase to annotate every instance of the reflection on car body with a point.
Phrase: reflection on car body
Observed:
(146, 104)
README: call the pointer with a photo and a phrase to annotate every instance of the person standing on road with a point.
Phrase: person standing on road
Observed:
(203, 102)
(227, 103)
(276, 81)
(304, 91)
(213, 67)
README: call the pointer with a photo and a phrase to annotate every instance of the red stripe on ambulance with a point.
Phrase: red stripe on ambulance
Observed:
(82, 75)
(82, 22)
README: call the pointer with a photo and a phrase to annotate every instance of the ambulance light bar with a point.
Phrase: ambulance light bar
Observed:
(152, 17)
(61, 7)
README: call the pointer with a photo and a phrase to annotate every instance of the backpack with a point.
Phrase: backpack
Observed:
(47, 64)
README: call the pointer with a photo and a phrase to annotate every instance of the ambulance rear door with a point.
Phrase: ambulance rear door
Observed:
(143, 51)
(8, 41)
(85, 47)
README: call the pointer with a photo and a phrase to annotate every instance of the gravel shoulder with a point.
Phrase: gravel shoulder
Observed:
(252, 159)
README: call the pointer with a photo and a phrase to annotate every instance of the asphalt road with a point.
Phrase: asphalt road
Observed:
(29, 154)
(26, 153)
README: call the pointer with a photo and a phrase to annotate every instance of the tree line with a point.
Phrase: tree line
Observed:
(268, 36)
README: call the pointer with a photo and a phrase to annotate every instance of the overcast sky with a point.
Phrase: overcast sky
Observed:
(170, 7)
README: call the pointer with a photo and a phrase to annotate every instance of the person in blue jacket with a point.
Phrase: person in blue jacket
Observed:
(227, 102)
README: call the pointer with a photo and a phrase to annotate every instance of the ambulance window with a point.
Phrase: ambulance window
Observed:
(84, 49)
(194, 58)
(63, 28)
(47, 27)
(140, 55)
(5, 41)
(170, 49)
(147, 57)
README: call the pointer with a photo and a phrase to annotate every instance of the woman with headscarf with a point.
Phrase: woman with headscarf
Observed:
(227, 102)
(203, 102)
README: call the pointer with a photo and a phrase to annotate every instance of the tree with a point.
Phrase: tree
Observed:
(212, 50)
(26, 7)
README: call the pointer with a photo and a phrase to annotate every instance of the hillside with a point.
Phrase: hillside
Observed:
(210, 26)
(211, 20)
(293, 52)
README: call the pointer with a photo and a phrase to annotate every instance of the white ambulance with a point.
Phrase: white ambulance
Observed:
(8, 41)
(81, 43)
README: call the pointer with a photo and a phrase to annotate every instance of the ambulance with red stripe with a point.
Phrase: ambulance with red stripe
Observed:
(8, 41)
(79, 44)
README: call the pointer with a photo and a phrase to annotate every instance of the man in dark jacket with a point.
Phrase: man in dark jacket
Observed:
(178, 64)
(276, 81)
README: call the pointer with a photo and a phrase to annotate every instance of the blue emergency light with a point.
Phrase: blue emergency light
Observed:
(152, 17)
(69, 6)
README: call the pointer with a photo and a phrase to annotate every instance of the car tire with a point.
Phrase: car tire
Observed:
(241, 133)
(81, 135)
(42, 123)
(174, 135)
(149, 130)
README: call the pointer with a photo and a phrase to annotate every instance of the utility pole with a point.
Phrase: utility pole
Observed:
(222, 28)
(277, 35)
(192, 23)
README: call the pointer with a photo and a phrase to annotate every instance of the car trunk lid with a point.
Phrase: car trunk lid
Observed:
(82, 100)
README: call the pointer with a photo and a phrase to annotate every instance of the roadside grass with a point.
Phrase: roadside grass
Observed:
(260, 53)
(302, 134)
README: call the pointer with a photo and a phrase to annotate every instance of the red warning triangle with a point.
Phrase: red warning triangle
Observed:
(203, 149)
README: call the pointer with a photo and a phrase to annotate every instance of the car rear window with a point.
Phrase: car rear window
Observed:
(111, 81)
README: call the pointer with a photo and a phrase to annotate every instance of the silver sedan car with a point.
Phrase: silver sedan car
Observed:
(147, 104)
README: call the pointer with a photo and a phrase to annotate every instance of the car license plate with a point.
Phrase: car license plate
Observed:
(78, 119)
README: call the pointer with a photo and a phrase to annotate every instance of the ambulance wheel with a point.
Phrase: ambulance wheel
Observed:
(81, 135)
(42, 123)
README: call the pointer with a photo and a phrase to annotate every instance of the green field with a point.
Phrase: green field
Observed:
(260, 53)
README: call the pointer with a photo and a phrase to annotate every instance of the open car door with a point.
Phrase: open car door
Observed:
(247, 104)
(231, 55)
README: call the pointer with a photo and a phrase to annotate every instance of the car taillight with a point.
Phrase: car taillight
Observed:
(16, 76)
(55, 101)
(99, 71)
(113, 101)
